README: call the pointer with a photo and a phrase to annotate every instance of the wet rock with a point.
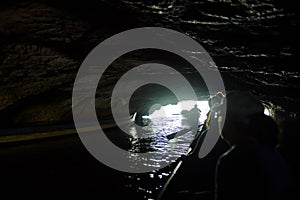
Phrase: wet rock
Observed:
(43, 43)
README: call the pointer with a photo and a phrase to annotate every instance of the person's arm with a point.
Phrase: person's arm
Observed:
(238, 177)
(224, 181)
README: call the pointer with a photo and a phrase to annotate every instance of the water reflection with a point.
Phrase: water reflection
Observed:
(164, 121)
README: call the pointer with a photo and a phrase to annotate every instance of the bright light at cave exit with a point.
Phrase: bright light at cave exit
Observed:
(171, 110)
(267, 112)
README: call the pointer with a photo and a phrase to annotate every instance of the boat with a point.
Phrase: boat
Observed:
(193, 178)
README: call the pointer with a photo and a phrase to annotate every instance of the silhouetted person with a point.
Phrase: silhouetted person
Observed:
(194, 178)
(194, 117)
(213, 101)
(264, 129)
(252, 168)
(289, 142)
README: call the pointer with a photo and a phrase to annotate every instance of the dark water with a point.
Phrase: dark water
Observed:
(252, 42)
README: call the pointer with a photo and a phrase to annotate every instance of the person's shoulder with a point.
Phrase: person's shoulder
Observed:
(228, 155)
(238, 153)
(231, 162)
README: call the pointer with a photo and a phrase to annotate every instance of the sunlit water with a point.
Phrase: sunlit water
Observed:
(161, 123)
(252, 42)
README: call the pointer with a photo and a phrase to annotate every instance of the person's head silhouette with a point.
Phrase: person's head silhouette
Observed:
(241, 110)
(251, 168)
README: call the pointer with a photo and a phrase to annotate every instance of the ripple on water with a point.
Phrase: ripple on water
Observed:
(242, 36)
(163, 151)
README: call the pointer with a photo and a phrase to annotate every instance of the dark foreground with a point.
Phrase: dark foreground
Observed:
(61, 167)
(55, 168)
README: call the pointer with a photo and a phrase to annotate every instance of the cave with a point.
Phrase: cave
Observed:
(43, 44)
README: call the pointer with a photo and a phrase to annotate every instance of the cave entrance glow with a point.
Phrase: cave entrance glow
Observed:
(172, 110)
